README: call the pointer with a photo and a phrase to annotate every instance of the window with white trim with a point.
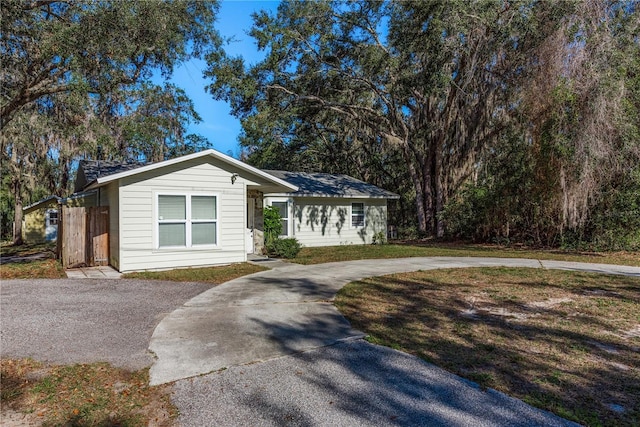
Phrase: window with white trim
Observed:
(52, 217)
(283, 208)
(357, 214)
(187, 220)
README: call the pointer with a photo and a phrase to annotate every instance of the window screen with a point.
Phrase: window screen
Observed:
(357, 214)
(185, 220)
(203, 220)
(284, 216)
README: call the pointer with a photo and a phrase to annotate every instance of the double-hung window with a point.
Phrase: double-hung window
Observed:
(283, 208)
(357, 214)
(187, 220)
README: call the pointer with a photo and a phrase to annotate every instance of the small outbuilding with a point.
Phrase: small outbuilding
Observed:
(40, 221)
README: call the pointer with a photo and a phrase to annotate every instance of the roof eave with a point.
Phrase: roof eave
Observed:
(340, 196)
(100, 181)
(41, 202)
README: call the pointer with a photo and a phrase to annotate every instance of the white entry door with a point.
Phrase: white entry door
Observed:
(251, 203)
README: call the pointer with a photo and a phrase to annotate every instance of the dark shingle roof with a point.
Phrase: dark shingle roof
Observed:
(41, 202)
(331, 185)
(90, 170)
(309, 184)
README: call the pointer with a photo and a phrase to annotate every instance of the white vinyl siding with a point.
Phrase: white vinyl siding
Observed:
(139, 242)
(326, 221)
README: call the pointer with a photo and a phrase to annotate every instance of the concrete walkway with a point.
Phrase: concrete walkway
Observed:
(100, 272)
(288, 310)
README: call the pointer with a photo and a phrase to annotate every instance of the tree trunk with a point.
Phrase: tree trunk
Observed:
(439, 198)
(421, 190)
(17, 216)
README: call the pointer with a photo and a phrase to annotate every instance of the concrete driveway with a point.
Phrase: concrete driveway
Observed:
(287, 310)
(265, 341)
(352, 383)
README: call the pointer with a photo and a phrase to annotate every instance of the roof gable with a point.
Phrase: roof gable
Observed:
(331, 185)
(91, 170)
(123, 170)
(41, 202)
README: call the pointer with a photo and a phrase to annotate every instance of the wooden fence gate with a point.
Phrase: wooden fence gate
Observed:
(83, 236)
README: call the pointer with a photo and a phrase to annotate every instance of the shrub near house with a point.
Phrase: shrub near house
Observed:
(275, 245)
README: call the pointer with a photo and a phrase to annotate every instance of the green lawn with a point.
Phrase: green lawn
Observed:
(354, 252)
(51, 269)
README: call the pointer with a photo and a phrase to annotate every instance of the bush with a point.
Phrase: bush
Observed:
(272, 224)
(380, 238)
(284, 248)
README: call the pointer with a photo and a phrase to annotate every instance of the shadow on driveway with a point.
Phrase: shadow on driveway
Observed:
(352, 383)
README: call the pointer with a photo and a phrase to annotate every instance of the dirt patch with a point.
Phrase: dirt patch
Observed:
(11, 418)
(632, 333)
(549, 303)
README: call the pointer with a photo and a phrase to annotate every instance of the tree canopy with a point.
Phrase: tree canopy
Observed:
(52, 46)
(433, 93)
(77, 79)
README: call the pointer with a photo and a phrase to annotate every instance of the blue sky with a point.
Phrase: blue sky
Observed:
(218, 126)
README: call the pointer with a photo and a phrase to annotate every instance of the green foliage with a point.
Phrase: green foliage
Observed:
(401, 94)
(380, 238)
(79, 46)
(272, 224)
(284, 247)
(615, 223)
(274, 244)
(76, 75)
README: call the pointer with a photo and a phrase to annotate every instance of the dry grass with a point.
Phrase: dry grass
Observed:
(83, 395)
(46, 269)
(8, 249)
(215, 275)
(563, 341)
(413, 249)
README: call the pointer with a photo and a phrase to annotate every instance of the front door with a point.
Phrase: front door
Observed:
(251, 203)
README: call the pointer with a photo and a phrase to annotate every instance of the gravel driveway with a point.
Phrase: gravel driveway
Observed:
(82, 321)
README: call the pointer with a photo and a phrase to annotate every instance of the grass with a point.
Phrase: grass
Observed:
(215, 275)
(567, 342)
(354, 252)
(83, 395)
(47, 268)
(411, 249)
(50, 269)
(8, 249)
